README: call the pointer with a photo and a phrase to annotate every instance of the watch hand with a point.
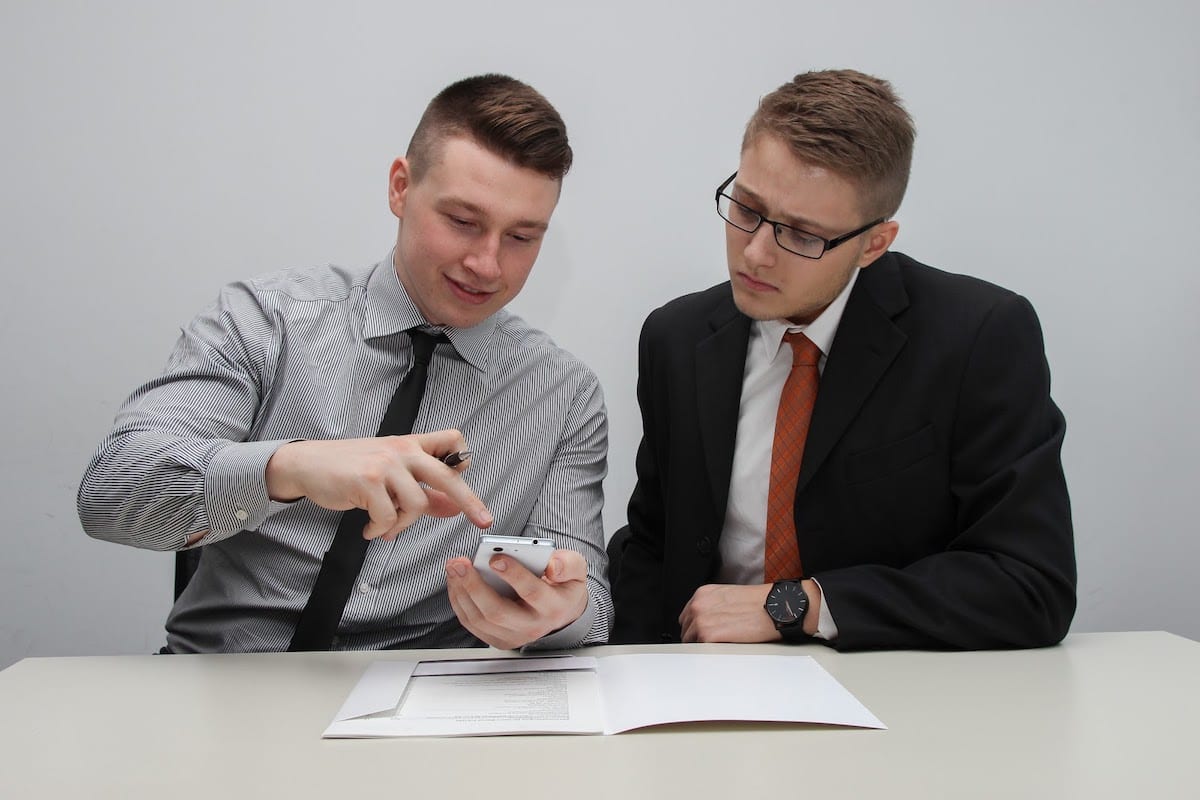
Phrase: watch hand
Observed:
(788, 606)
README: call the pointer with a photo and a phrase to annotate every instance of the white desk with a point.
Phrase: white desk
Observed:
(1104, 715)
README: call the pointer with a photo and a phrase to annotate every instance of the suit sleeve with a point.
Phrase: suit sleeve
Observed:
(638, 594)
(1007, 576)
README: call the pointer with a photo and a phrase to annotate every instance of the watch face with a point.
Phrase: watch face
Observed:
(787, 602)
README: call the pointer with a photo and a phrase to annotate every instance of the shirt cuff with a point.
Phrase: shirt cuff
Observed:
(826, 628)
(235, 488)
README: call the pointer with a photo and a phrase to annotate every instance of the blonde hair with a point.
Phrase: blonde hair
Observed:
(849, 123)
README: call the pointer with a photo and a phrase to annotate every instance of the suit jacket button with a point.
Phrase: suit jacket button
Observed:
(704, 546)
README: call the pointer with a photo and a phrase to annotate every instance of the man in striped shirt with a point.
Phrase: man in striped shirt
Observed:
(261, 431)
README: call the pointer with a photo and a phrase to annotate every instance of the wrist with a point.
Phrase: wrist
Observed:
(279, 475)
(794, 608)
(787, 607)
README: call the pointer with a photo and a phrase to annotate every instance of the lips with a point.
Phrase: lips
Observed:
(468, 294)
(754, 285)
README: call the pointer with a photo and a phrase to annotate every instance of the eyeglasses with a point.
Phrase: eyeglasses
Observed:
(794, 240)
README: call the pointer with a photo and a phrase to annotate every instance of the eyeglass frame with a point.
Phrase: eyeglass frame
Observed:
(829, 244)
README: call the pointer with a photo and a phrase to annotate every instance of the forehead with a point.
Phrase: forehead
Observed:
(791, 190)
(467, 173)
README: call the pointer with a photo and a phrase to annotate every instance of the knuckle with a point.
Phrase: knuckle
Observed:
(402, 445)
(373, 473)
(418, 505)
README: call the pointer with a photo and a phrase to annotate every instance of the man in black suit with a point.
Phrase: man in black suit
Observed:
(926, 506)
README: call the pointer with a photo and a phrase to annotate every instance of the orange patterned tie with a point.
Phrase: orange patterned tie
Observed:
(781, 558)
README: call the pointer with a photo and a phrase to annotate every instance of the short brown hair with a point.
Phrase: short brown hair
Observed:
(849, 123)
(499, 113)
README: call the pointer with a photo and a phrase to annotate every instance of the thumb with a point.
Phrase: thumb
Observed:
(566, 566)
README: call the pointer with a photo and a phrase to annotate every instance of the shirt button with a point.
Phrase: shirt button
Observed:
(241, 514)
(364, 587)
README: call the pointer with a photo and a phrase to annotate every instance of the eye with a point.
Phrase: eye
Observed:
(800, 240)
(460, 222)
(742, 214)
(524, 238)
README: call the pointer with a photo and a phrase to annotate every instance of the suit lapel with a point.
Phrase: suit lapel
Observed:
(720, 364)
(866, 343)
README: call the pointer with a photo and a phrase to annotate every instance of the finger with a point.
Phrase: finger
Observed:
(409, 501)
(447, 479)
(471, 598)
(439, 443)
(529, 587)
(550, 604)
(458, 495)
(468, 612)
(462, 576)
(460, 599)
(382, 512)
(566, 566)
(439, 504)
(685, 619)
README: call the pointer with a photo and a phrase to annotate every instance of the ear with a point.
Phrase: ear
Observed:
(399, 182)
(877, 242)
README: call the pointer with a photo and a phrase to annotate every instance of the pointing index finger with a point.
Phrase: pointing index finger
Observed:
(434, 474)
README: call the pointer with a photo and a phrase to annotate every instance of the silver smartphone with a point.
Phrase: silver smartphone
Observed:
(533, 554)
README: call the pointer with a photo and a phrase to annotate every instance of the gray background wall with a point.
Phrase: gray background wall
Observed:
(152, 151)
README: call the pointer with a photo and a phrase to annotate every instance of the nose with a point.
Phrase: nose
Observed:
(761, 249)
(484, 260)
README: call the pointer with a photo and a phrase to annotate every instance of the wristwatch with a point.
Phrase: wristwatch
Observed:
(786, 606)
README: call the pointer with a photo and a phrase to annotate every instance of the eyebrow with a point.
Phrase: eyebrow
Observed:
(472, 208)
(806, 225)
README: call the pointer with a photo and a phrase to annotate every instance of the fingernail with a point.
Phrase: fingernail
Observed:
(487, 517)
(500, 565)
(454, 569)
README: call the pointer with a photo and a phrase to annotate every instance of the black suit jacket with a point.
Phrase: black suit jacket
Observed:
(931, 505)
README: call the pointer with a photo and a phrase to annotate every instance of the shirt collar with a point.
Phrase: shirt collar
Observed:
(820, 331)
(389, 310)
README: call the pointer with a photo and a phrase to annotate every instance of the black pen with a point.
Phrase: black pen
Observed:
(454, 459)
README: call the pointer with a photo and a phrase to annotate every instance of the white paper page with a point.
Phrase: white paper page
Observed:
(479, 666)
(473, 698)
(478, 698)
(548, 701)
(657, 688)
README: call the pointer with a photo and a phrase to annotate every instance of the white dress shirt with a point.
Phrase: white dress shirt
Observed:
(768, 363)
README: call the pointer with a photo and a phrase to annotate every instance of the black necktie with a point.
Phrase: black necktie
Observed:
(340, 567)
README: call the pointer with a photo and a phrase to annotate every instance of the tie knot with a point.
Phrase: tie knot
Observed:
(423, 343)
(804, 352)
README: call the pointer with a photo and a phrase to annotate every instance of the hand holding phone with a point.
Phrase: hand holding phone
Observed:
(533, 554)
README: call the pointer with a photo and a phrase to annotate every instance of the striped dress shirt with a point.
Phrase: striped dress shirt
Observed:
(316, 354)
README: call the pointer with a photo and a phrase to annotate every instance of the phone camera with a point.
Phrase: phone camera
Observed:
(497, 549)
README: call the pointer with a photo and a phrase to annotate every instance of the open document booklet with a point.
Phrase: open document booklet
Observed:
(576, 694)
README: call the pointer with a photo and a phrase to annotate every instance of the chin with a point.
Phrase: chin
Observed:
(463, 318)
(753, 310)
